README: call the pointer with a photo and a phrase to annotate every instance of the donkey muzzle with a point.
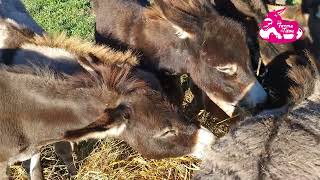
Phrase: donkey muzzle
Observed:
(254, 99)
(202, 146)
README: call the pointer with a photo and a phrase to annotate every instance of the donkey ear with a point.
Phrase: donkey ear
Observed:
(90, 63)
(111, 123)
(185, 24)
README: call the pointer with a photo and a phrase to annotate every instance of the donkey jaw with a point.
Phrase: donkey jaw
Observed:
(253, 95)
(203, 143)
(227, 107)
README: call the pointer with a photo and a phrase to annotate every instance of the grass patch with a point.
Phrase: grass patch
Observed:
(70, 16)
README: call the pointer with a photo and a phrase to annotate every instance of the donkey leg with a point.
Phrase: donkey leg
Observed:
(35, 167)
(64, 151)
(3, 171)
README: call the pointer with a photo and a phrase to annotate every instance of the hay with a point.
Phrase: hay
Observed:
(18, 173)
(113, 159)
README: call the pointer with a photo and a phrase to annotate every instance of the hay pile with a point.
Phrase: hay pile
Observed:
(115, 160)
(112, 159)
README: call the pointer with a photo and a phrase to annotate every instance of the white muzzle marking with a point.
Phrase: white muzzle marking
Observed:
(252, 95)
(205, 139)
(255, 95)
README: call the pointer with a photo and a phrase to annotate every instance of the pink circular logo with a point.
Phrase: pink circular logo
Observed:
(276, 30)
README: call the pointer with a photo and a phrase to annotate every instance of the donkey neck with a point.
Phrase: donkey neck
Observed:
(84, 102)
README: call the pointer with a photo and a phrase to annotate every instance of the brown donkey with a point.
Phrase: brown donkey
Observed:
(109, 98)
(187, 37)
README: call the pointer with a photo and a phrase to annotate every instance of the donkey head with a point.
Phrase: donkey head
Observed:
(219, 60)
(141, 116)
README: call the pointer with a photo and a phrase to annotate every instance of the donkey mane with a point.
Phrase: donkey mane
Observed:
(122, 79)
(303, 79)
(83, 48)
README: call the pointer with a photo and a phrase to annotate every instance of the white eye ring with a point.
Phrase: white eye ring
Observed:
(230, 69)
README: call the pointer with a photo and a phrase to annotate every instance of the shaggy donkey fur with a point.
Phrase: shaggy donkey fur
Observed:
(273, 145)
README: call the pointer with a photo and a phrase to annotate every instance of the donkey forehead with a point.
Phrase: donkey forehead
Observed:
(156, 112)
(222, 54)
(226, 44)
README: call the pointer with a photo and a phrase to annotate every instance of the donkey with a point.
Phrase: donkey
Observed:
(40, 107)
(118, 87)
(277, 144)
(187, 37)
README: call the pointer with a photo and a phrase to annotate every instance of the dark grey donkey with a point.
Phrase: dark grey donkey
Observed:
(275, 145)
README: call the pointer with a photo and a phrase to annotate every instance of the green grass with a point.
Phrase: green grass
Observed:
(70, 16)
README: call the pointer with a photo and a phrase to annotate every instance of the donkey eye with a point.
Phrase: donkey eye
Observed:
(230, 69)
(168, 133)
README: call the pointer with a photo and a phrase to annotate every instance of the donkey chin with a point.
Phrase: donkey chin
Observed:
(253, 100)
(205, 139)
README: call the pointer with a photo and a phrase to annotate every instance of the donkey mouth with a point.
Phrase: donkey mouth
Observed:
(254, 98)
(252, 101)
